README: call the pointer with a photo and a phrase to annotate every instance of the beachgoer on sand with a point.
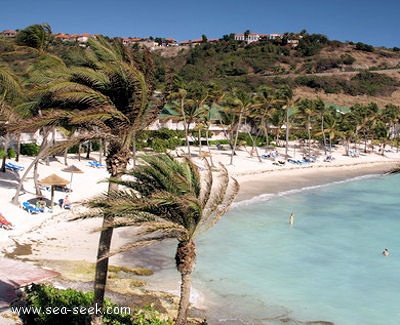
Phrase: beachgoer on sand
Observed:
(385, 252)
(41, 204)
(66, 204)
(4, 223)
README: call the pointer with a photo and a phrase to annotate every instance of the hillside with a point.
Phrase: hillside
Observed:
(331, 73)
(340, 73)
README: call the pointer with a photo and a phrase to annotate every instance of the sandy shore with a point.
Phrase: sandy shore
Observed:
(51, 237)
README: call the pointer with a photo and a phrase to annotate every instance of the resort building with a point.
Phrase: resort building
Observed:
(250, 37)
(9, 33)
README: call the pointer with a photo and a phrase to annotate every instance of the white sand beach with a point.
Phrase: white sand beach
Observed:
(51, 236)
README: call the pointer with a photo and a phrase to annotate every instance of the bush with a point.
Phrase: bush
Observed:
(42, 296)
(364, 47)
(11, 153)
(73, 149)
(347, 59)
(29, 149)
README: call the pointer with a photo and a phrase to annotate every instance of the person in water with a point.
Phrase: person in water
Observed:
(385, 252)
(291, 219)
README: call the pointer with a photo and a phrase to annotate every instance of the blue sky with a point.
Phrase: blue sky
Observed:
(371, 22)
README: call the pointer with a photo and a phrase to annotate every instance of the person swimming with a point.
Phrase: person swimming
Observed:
(291, 219)
(385, 252)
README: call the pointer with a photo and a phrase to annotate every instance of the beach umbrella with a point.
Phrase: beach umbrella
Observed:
(53, 180)
(73, 170)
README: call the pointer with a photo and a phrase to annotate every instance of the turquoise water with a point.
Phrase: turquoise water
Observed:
(254, 268)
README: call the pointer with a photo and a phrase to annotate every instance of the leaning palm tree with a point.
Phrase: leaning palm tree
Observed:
(112, 99)
(35, 37)
(182, 192)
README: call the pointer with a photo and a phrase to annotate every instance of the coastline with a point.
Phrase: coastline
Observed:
(47, 239)
(278, 181)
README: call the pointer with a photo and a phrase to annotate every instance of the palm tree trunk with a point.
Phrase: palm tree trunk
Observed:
(254, 146)
(208, 147)
(3, 164)
(35, 178)
(185, 258)
(323, 133)
(88, 150)
(186, 126)
(43, 149)
(309, 135)
(101, 271)
(79, 151)
(287, 133)
(18, 147)
(186, 284)
(116, 161)
(100, 151)
(236, 135)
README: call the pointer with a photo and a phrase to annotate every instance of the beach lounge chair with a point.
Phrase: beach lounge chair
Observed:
(95, 164)
(14, 167)
(30, 208)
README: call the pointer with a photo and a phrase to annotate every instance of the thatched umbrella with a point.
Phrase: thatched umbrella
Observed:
(53, 180)
(73, 170)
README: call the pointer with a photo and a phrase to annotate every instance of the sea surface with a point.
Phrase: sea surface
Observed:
(254, 268)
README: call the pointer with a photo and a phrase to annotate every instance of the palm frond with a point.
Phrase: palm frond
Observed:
(209, 220)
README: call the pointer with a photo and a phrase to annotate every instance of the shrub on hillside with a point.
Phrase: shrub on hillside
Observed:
(364, 47)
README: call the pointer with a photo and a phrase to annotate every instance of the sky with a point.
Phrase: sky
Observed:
(371, 22)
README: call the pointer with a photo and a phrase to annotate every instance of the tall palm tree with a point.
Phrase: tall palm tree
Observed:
(322, 111)
(305, 112)
(177, 191)
(265, 104)
(240, 102)
(284, 95)
(188, 99)
(113, 99)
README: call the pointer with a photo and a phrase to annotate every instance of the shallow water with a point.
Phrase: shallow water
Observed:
(254, 268)
(328, 266)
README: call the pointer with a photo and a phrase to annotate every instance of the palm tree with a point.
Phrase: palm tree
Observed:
(322, 111)
(113, 100)
(305, 112)
(189, 196)
(10, 91)
(188, 99)
(265, 102)
(240, 102)
(391, 116)
(35, 37)
(284, 95)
